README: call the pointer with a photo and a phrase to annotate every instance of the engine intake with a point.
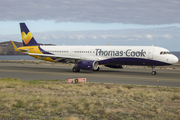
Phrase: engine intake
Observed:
(88, 65)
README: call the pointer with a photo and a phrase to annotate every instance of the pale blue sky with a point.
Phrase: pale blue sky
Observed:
(12, 27)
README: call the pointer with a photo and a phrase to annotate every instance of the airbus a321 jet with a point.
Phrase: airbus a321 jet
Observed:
(90, 57)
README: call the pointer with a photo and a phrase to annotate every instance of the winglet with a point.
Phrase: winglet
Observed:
(15, 47)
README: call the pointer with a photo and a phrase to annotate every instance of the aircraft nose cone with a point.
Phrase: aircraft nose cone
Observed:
(174, 59)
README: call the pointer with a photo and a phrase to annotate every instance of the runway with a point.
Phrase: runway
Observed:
(137, 76)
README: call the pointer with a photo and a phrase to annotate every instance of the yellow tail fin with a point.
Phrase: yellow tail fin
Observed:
(16, 49)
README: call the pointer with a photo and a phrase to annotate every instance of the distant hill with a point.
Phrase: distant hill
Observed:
(6, 48)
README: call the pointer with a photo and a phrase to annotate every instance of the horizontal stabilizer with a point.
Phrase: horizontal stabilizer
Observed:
(24, 50)
(15, 47)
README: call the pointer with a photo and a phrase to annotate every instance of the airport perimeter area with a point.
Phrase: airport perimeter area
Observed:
(59, 100)
(39, 90)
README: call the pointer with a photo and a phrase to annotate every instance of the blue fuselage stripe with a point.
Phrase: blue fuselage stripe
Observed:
(132, 61)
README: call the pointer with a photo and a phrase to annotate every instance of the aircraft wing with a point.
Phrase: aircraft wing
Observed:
(57, 57)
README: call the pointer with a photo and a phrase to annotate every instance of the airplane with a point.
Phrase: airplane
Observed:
(90, 57)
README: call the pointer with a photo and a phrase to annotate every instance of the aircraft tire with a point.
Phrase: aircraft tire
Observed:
(153, 72)
(97, 69)
(75, 69)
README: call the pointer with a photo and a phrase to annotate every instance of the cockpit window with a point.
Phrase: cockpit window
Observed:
(169, 53)
(165, 52)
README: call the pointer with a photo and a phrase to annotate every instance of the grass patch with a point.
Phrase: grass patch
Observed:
(58, 100)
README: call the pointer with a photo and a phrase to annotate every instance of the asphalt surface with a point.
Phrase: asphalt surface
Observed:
(137, 76)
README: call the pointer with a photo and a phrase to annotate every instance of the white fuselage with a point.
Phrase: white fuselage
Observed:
(102, 53)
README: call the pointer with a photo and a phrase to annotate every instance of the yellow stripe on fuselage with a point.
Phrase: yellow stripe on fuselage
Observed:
(35, 49)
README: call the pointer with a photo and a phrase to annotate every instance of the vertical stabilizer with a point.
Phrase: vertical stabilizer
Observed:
(27, 37)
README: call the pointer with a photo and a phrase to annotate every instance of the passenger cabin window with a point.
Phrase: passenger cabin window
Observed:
(165, 52)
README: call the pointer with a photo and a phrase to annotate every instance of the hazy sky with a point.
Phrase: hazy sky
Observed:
(94, 22)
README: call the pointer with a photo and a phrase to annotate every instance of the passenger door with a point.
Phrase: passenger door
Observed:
(150, 53)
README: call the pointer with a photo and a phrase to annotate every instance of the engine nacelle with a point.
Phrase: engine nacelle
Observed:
(88, 65)
(116, 66)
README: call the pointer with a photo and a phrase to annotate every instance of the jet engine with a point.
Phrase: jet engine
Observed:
(116, 66)
(88, 65)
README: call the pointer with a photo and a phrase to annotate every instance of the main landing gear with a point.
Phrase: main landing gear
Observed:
(153, 70)
(96, 69)
(75, 69)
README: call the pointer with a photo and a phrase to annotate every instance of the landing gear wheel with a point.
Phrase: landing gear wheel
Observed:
(75, 69)
(153, 72)
(96, 69)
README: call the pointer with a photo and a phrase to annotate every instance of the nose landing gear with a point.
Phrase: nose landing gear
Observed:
(153, 70)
